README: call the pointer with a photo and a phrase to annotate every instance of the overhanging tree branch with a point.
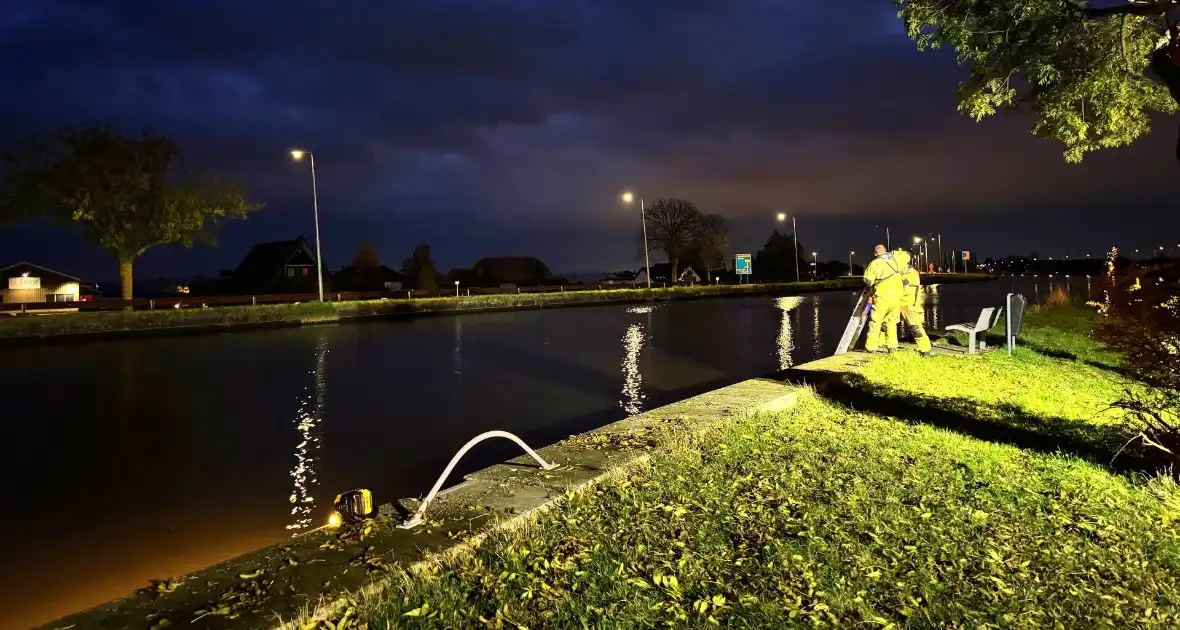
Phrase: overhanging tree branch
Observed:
(1130, 8)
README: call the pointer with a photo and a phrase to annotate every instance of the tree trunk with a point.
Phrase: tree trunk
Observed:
(708, 273)
(1165, 67)
(125, 277)
(675, 267)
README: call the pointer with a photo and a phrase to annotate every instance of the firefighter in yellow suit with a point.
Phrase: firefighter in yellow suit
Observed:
(911, 310)
(883, 278)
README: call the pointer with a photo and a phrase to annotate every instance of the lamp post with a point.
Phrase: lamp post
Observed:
(297, 155)
(850, 263)
(456, 288)
(918, 243)
(814, 266)
(628, 198)
(782, 216)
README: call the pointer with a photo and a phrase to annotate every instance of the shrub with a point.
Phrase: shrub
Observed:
(1141, 322)
(1058, 298)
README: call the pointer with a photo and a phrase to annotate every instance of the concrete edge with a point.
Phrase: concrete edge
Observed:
(379, 587)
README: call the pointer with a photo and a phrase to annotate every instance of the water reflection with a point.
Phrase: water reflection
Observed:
(307, 423)
(632, 401)
(786, 342)
(817, 343)
(457, 353)
(931, 303)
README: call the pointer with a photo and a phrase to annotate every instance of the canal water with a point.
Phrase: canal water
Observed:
(156, 457)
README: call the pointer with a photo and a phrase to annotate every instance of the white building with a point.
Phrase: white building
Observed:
(26, 283)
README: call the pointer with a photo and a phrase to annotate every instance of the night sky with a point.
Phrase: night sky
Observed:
(509, 127)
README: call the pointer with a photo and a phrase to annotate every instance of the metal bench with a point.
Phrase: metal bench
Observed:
(986, 321)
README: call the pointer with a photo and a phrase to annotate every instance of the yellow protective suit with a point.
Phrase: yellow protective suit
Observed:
(883, 277)
(911, 308)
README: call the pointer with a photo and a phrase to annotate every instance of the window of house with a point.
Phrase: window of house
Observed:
(290, 272)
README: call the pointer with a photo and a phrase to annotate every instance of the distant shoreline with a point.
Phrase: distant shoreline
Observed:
(82, 327)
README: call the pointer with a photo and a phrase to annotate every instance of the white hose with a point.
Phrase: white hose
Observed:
(416, 519)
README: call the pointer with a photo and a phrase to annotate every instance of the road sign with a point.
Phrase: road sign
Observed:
(743, 264)
(966, 255)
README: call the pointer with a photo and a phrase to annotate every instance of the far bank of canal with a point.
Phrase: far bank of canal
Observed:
(190, 455)
(18, 330)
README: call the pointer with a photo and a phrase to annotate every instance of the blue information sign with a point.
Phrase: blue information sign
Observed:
(742, 263)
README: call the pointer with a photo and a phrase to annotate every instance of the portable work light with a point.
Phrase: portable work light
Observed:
(351, 507)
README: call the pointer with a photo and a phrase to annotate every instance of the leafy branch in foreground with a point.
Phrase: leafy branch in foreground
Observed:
(1080, 69)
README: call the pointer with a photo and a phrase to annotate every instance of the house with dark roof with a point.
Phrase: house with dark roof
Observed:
(662, 273)
(520, 271)
(367, 279)
(278, 267)
(26, 283)
(618, 278)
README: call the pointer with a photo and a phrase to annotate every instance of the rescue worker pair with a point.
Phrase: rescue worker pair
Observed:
(883, 277)
(895, 287)
(911, 309)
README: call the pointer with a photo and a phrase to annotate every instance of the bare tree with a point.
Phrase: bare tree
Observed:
(672, 228)
(712, 241)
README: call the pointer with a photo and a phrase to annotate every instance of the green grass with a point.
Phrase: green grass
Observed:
(826, 516)
(1058, 383)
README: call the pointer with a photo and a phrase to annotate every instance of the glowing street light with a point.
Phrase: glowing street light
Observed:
(850, 262)
(814, 267)
(297, 155)
(782, 216)
(456, 288)
(628, 197)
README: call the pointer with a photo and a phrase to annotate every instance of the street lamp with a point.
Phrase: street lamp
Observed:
(850, 263)
(628, 198)
(918, 242)
(297, 155)
(782, 216)
(456, 288)
(814, 267)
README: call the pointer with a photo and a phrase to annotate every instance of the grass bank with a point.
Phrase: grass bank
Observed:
(953, 492)
(90, 324)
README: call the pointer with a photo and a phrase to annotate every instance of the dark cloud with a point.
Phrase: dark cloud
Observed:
(510, 126)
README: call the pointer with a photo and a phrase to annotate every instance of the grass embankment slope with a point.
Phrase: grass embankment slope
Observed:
(832, 517)
(215, 318)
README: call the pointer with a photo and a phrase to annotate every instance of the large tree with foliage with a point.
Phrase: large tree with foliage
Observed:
(672, 228)
(120, 190)
(1081, 69)
(366, 269)
(780, 259)
(419, 269)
